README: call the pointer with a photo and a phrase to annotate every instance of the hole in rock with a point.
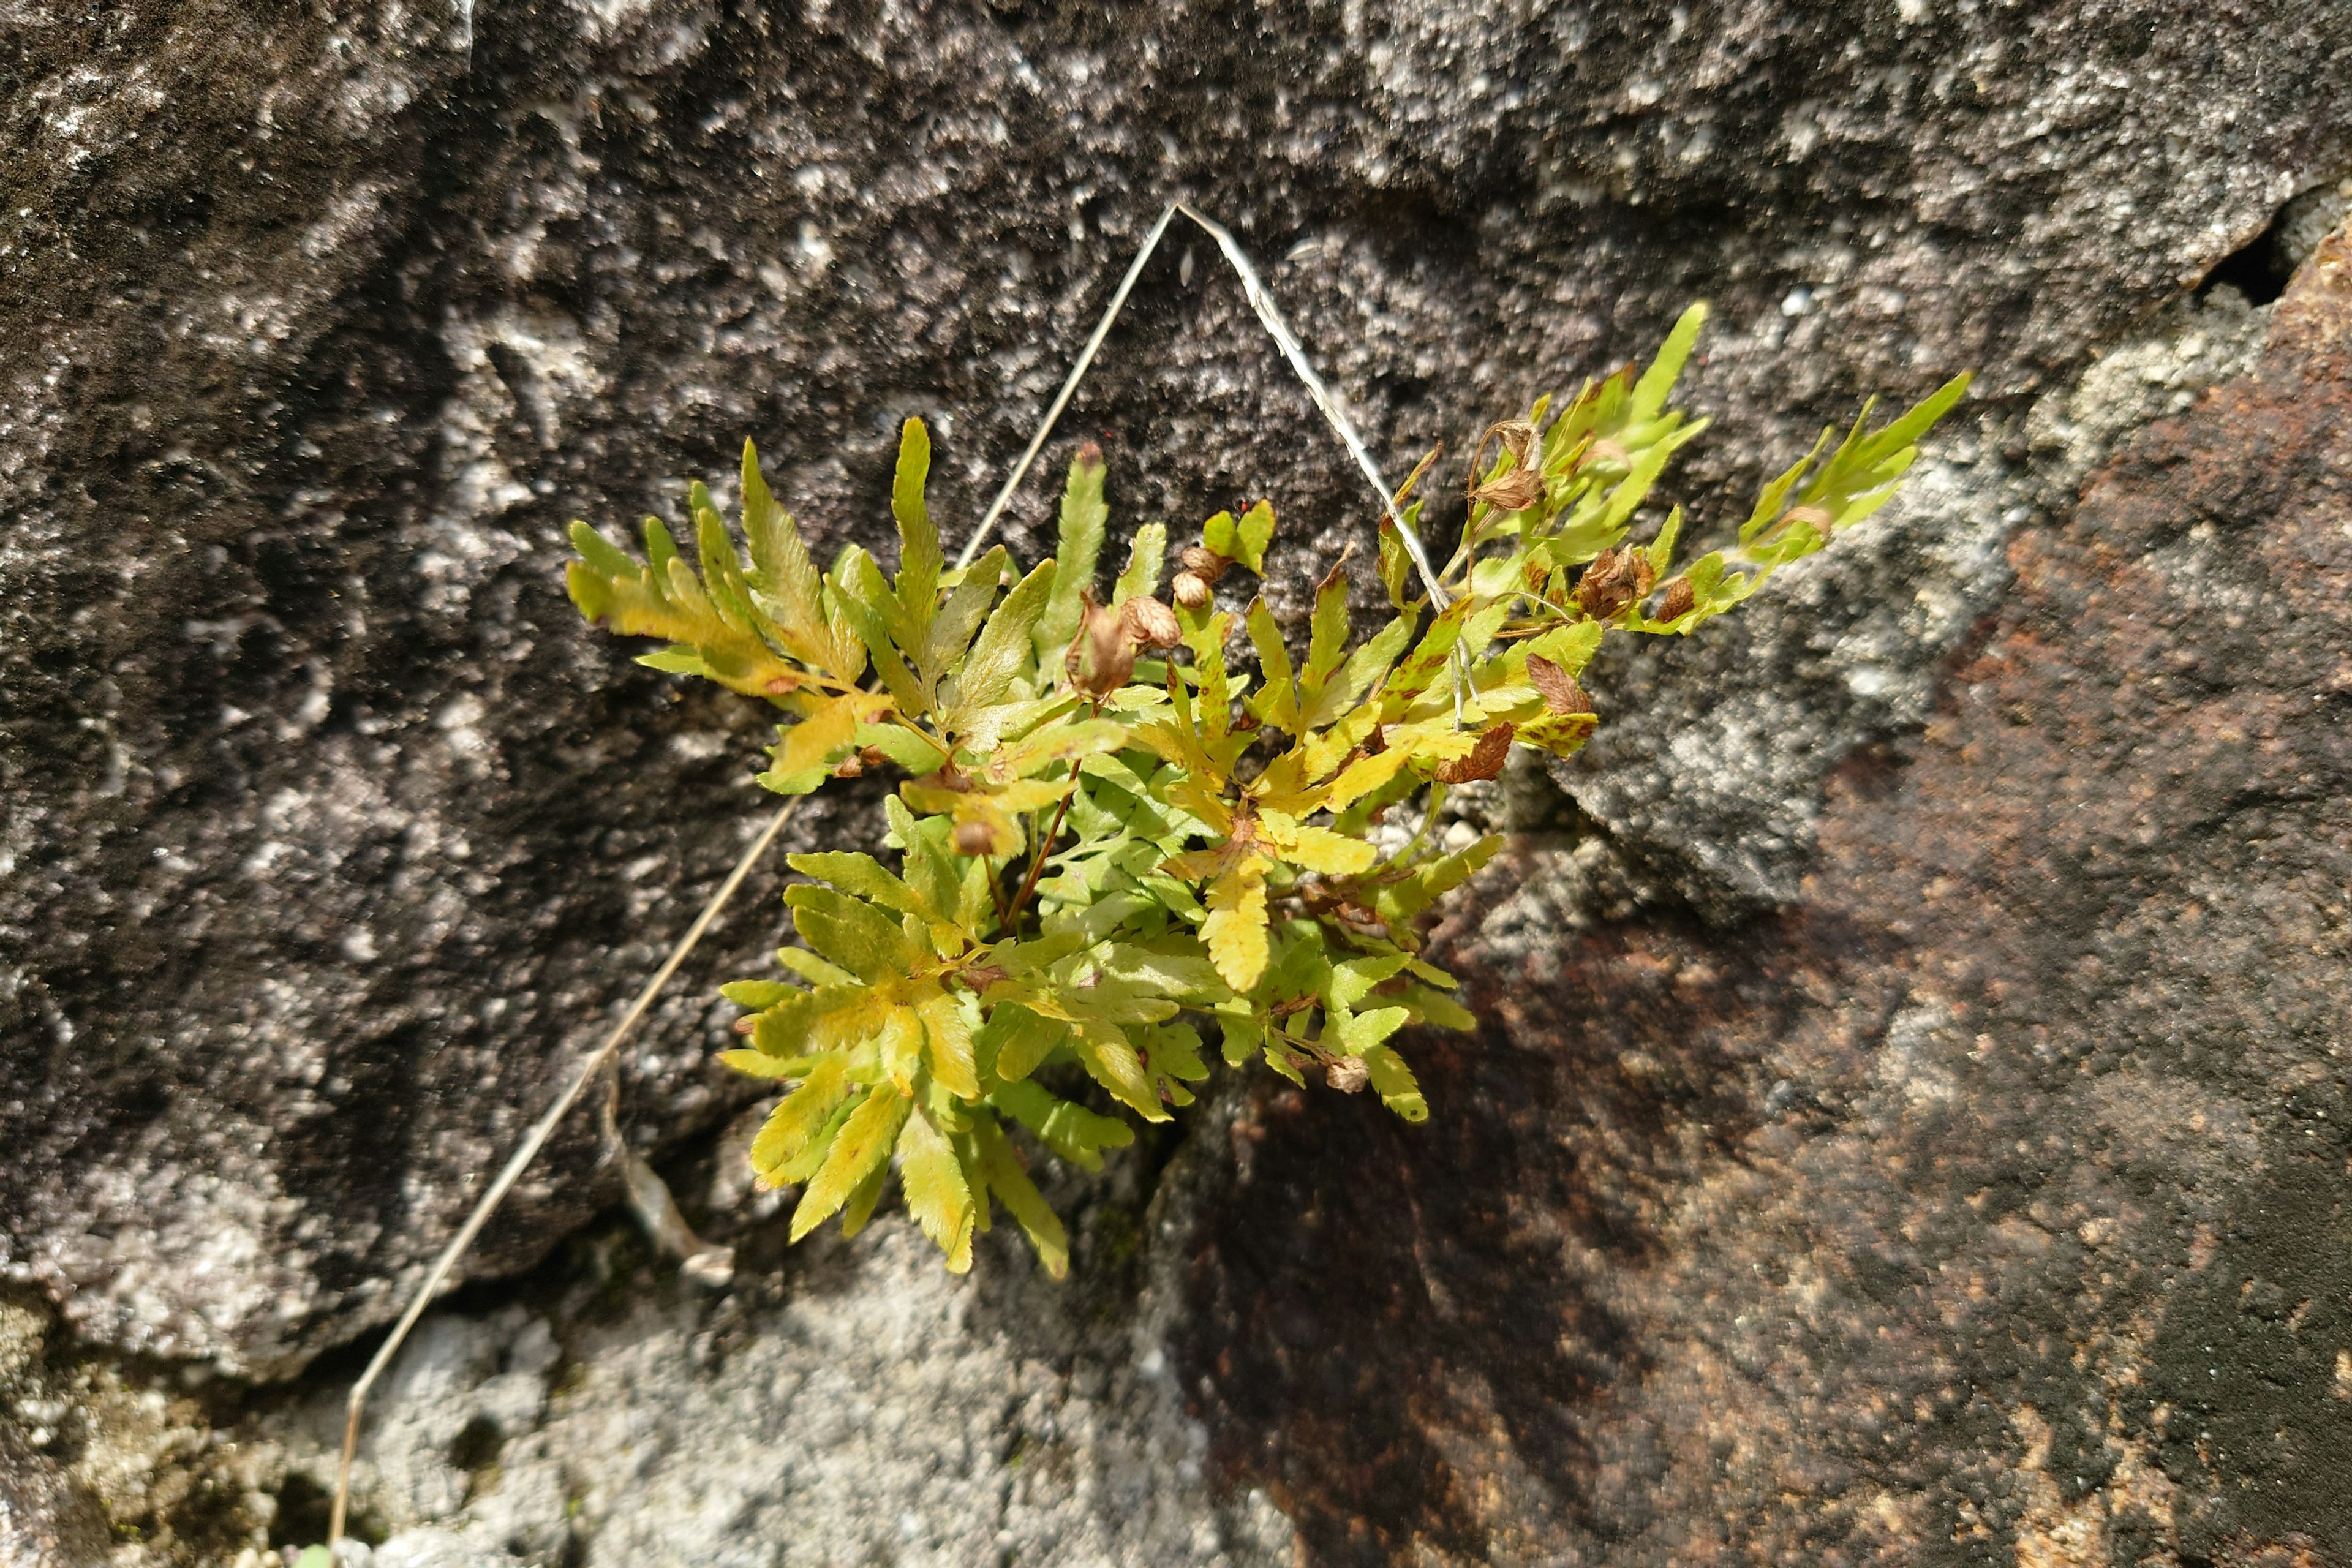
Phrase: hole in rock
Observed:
(303, 1507)
(477, 1444)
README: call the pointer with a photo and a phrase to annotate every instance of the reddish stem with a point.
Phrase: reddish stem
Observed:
(1037, 860)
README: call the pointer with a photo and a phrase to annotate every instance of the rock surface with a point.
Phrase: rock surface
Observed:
(1991, 1204)
(332, 839)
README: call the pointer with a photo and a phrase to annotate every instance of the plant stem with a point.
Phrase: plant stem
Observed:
(1037, 860)
(1003, 916)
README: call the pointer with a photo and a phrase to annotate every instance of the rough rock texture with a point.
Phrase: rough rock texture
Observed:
(837, 1403)
(851, 1405)
(1991, 1204)
(330, 838)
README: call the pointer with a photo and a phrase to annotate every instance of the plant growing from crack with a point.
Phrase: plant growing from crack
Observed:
(1108, 837)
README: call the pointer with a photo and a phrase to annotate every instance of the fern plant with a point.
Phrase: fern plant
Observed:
(1109, 837)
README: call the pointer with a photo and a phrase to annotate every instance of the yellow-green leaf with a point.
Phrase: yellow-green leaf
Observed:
(1144, 556)
(820, 739)
(949, 1040)
(1111, 1059)
(862, 1200)
(849, 933)
(858, 1150)
(1084, 518)
(937, 1194)
(919, 561)
(800, 1116)
(1235, 929)
(1393, 1082)
(1008, 1179)
(900, 1045)
(1320, 849)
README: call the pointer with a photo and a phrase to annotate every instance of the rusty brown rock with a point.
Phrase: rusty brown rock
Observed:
(1992, 1203)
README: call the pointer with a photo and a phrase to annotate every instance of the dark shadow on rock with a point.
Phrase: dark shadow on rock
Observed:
(1388, 1320)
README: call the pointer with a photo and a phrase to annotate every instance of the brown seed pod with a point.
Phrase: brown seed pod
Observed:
(1615, 580)
(1204, 562)
(1521, 485)
(1190, 590)
(1101, 656)
(1514, 491)
(747, 1023)
(971, 838)
(1151, 623)
(1561, 694)
(1486, 759)
(1349, 1075)
(1680, 599)
(1819, 517)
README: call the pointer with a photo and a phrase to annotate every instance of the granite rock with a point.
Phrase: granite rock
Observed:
(331, 836)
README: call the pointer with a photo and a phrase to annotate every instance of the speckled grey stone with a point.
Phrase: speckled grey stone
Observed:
(331, 837)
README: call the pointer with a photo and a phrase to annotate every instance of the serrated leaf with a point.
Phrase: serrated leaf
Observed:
(676, 659)
(812, 968)
(1363, 670)
(937, 1194)
(1441, 1011)
(1145, 555)
(662, 599)
(759, 1064)
(1352, 980)
(1328, 642)
(1278, 702)
(1321, 850)
(1360, 1032)
(1079, 547)
(1235, 929)
(1362, 776)
(861, 875)
(863, 1198)
(1015, 1042)
(1111, 1059)
(912, 751)
(1657, 383)
(948, 1045)
(1071, 1130)
(800, 1116)
(1009, 1183)
(959, 616)
(758, 995)
(722, 574)
(1186, 975)
(899, 1047)
(601, 554)
(1249, 537)
(1394, 1083)
(858, 1150)
(1172, 1057)
(1396, 559)
(1245, 1036)
(1004, 649)
(870, 609)
(919, 561)
(794, 586)
(850, 933)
